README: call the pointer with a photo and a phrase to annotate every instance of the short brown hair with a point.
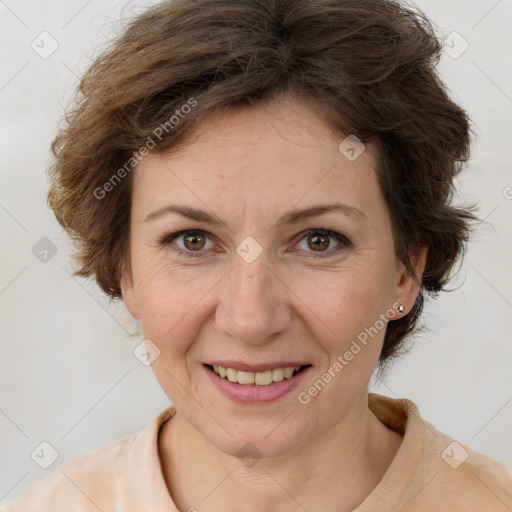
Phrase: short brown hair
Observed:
(367, 67)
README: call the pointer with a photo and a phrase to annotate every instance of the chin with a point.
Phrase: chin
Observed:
(252, 444)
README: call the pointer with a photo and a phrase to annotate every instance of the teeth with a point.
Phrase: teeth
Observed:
(245, 377)
(263, 378)
(288, 372)
(232, 375)
(258, 378)
(278, 375)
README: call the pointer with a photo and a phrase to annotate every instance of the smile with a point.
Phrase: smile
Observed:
(253, 387)
(264, 378)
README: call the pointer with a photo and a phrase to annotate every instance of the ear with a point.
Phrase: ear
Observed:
(128, 291)
(408, 286)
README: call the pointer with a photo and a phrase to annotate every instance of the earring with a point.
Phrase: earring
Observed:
(401, 308)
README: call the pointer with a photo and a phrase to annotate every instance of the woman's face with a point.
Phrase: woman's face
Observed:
(263, 273)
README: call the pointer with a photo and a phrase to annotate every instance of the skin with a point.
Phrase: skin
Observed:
(248, 167)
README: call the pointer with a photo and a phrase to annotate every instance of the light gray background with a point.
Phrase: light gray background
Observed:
(68, 375)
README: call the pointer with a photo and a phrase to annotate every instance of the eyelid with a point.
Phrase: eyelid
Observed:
(169, 238)
(344, 241)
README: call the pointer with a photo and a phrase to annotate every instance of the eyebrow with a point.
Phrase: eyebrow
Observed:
(291, 217)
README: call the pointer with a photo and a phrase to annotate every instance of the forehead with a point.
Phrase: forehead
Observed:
(279, 152)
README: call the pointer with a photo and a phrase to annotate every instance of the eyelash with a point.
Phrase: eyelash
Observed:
(344, 242)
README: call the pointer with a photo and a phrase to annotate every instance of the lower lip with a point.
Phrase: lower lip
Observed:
(256, 394)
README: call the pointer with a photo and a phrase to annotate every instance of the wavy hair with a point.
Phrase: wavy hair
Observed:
(367, 67)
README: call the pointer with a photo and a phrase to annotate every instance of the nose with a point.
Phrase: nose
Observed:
(253, 305)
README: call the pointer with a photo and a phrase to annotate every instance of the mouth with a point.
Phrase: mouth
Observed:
(269, 384)
(267, 377)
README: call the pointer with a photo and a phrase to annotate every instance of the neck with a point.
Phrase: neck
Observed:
(335, 471)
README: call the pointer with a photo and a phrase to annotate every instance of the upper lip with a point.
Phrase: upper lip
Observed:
(255, 368)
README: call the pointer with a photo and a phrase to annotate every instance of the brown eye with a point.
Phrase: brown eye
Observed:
(318, 242)
(321, 241)
(190, 242)
(194, 242)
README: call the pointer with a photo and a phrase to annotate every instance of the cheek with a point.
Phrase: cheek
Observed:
(343, 304)
(169, 300)
(170, 305)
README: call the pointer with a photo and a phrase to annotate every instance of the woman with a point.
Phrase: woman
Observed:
(266, 184)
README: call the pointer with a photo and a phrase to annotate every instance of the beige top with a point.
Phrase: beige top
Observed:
(430, 472)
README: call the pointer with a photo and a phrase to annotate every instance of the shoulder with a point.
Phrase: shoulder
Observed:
(436, 471)
(79, 484)
(100, 480)
(465, 477)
